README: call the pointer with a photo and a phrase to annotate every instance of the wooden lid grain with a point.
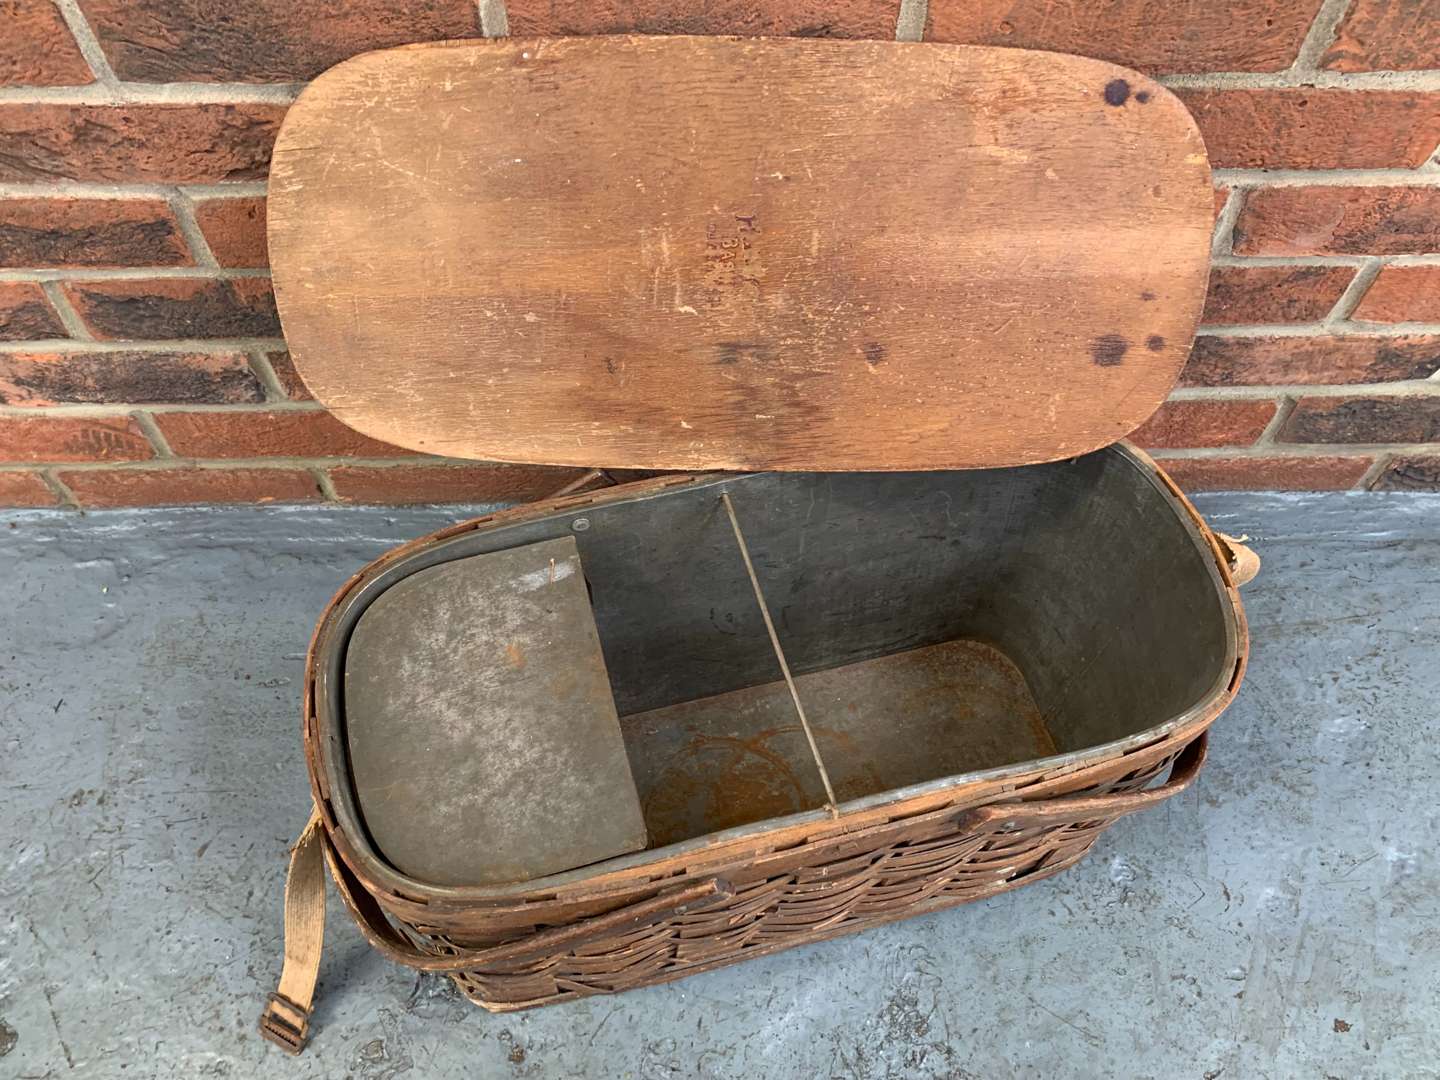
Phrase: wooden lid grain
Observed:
(710, 253)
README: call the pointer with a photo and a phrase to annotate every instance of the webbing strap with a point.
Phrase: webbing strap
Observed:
(286, 1019)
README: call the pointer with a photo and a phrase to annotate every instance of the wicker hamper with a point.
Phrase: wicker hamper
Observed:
(848, 679)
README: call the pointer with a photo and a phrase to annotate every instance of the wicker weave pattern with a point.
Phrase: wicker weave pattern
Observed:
(835, 890)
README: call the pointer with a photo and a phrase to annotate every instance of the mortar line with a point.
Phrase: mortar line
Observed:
(276, 461)
(1278, 449)
(1353, 261)
(1249, 178)
(69, 317)
(1283, 411)
(1317, 329)
(277, 344)
(1356, 261)
(265, 373)
(58, 487)
(324, 483)
(1319, 37)
(1296, 450)
(94, 189)
(1349, 300)
(139, 273)
(159, 272)
(120, 92)
(1229, 177)
(1376, 470)
(87, 42)
(184, 211)
(202, 345)
(494, 18)
(1422, 81)
(1301, 450)
(96, 411)
(1223, 240)
(146, 423)
(910, 20)
(1420, 388)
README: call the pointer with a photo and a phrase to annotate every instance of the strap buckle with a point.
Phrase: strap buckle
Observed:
(285, 1023)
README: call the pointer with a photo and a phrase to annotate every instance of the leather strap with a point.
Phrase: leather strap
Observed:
(286, 1019)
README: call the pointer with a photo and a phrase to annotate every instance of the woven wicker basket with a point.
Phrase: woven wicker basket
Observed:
(472, 285)
(675, 911)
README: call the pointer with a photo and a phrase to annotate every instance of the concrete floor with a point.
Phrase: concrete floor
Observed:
(1280, 920)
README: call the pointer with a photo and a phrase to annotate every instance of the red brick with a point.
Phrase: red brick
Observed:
(1410, 473)
(90, 232)
(478, 483)
(1316, 129)
(36, 48)
(288, 377)
(141, 378)
(259, 433)
(1402, 294)
(1290, 361)
(262, 40)
(1267, 473)
(99, 488)
(1222, 196)
(132, 144)
(25, 313)
(1387, 35)
(176, 308)
(751, 18)
(1205, 423)
(1339, 220)
(1273, 294)
(1151, 35)
(235, 230)
(25, 488)
(1364, 420)
(54, 438)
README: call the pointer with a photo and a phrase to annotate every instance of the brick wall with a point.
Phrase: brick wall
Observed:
(141, 361)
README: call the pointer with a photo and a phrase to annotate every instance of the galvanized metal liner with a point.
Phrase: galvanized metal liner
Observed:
(910, 559)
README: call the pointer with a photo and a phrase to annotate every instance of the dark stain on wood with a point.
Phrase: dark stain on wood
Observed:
(874, 353)
(1109, 350)
(732, 352)
(1155, 343)
(736, 305)
(1117, 92)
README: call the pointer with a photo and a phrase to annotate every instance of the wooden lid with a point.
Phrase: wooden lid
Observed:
(711, 253)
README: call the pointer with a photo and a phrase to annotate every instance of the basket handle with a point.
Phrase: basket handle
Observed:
(285, 1020)
(1093, 807)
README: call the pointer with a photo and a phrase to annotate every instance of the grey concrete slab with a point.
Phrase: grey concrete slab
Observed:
(1279, 920)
